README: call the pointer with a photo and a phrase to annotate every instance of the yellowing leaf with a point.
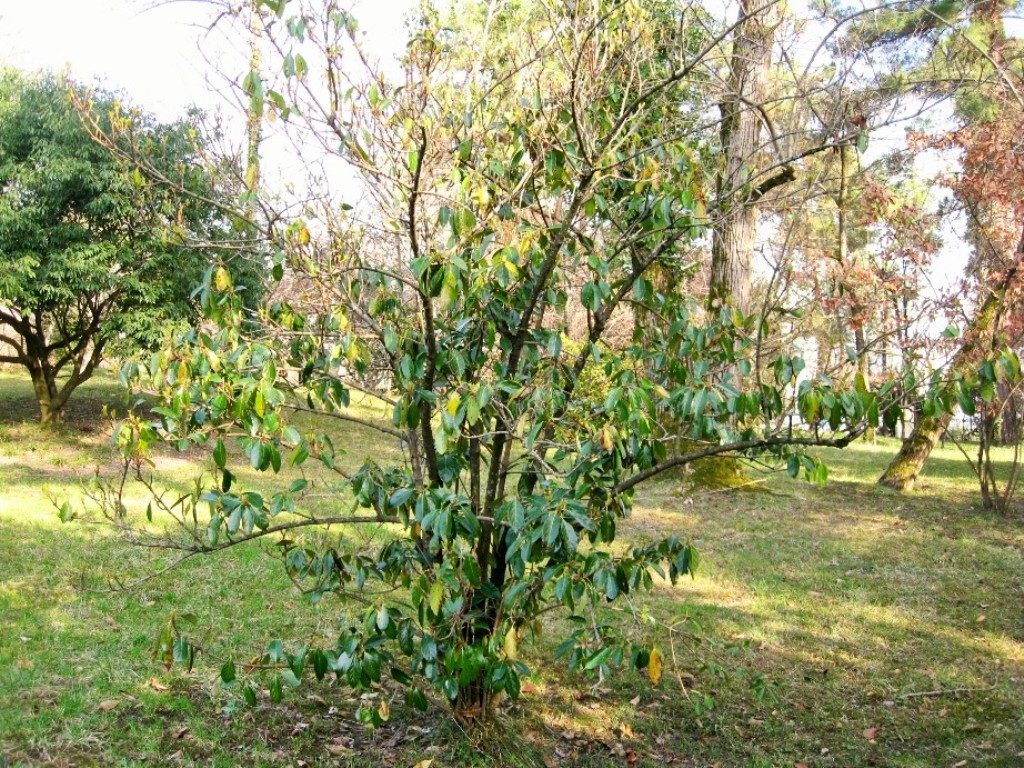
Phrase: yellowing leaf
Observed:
(654, 666)
(424, 764)
(511, 643)
(700, 206)
(472, 410)
(453, 404)
(436, 595)
(222, 280)
(384, 710)
(304, 236)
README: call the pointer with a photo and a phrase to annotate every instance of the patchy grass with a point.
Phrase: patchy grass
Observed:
(856, 613)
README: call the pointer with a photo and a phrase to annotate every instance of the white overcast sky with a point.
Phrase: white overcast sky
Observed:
(150, 49)
(147, 48)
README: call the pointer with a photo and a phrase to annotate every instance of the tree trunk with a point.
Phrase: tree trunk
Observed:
(253, 117)
(905, 468)
(50, 399)
(986, 472)
(735, 230)
(1009, 430)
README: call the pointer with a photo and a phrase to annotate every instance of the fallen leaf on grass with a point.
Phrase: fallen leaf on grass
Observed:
(24, 664)
(801, 765)
(961, 764)
(339, 747)
(631, 757)
(869, 733)
(635, 701)
(424, 764)
(109, 704)
(156, 685)
(980, 619)
(654, 666)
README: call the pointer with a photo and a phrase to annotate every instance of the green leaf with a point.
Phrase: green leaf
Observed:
(450, 686)
(319, 660)
(428, 648)
(416, 699)
(862, 141)
(220, 454)
(597, 659)
(66, 513)
(183, 652)
(400, 497)
(227, 672)
(821, 474)
(275, 652)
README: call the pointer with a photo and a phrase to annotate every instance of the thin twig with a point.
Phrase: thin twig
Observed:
(943, 692)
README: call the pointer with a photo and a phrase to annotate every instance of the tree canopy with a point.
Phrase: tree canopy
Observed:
(94, 259)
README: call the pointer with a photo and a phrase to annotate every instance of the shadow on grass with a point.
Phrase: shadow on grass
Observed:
(83, 412)
(859, 597)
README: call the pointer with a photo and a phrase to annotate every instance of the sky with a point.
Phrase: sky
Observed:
(153, 50)
(147, 48)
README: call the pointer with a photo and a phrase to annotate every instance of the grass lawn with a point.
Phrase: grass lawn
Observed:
(880, 630)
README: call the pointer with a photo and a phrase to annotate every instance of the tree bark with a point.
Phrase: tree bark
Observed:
(736, 226)
(1009, 429)
(904, 470)
(49, 397)
(253, 117)
(847, 170)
